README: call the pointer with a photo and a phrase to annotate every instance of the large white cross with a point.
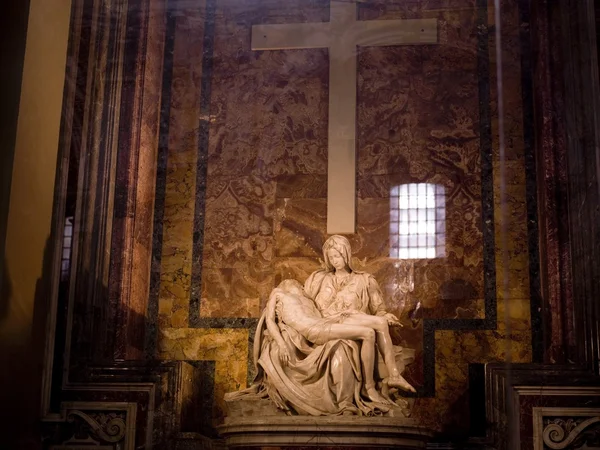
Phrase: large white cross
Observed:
(341, 35)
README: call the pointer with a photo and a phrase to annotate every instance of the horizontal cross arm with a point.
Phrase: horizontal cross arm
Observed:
(395, 32)
(290, 36)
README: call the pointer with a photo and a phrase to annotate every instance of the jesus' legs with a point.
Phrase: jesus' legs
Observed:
(384, 343)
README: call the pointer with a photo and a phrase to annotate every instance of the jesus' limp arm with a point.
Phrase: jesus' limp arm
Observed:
(284, 352)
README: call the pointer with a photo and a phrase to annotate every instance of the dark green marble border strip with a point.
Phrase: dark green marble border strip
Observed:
(487, 167)
(537, 331)
(161, 185)
(202, 162)
(195, 320)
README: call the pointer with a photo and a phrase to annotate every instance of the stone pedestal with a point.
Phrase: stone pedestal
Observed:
(324, 431)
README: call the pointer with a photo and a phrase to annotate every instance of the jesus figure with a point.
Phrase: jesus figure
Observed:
(291, 306)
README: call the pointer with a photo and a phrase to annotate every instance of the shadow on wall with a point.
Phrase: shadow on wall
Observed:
(5, 292)
(22, 337)
(22, 358)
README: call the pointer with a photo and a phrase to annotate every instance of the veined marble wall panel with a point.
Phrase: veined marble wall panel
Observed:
(227, 348)
(510, 170)
(180, 189)
(426, 114)
(418, 123)
(267, 147)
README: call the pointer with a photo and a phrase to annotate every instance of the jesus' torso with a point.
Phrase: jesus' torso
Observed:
(301, 314)
(297, 312)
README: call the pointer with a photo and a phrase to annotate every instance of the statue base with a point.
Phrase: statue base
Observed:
(324, 431)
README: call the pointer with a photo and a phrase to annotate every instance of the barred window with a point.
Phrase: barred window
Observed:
(417, 221)
(66, 248)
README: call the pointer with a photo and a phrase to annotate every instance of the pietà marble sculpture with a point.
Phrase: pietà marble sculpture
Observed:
(325, 348)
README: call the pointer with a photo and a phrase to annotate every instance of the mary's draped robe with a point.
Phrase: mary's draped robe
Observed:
(319, 380)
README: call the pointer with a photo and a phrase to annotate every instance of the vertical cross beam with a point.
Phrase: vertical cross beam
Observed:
(341, 35)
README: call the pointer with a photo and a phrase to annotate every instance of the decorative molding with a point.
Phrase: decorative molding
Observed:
(559, 428)
(328, 431)
(515, 391)
(582, 123)
(556, 321)
(104, 425)
(565, 391)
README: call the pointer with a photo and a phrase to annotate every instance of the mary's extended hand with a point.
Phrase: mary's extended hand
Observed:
(392, 320)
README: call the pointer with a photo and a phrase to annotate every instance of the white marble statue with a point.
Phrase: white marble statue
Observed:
(317, 348)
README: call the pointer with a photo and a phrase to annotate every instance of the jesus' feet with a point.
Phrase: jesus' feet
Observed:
(372, 394)
(399, 382)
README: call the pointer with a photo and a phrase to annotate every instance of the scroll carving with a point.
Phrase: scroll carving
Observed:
(560, 433)
(107, 426)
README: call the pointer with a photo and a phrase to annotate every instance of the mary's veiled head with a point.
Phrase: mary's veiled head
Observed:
(342, 246)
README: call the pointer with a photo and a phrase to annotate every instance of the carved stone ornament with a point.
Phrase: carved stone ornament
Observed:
(98, 425)
(566, 428)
